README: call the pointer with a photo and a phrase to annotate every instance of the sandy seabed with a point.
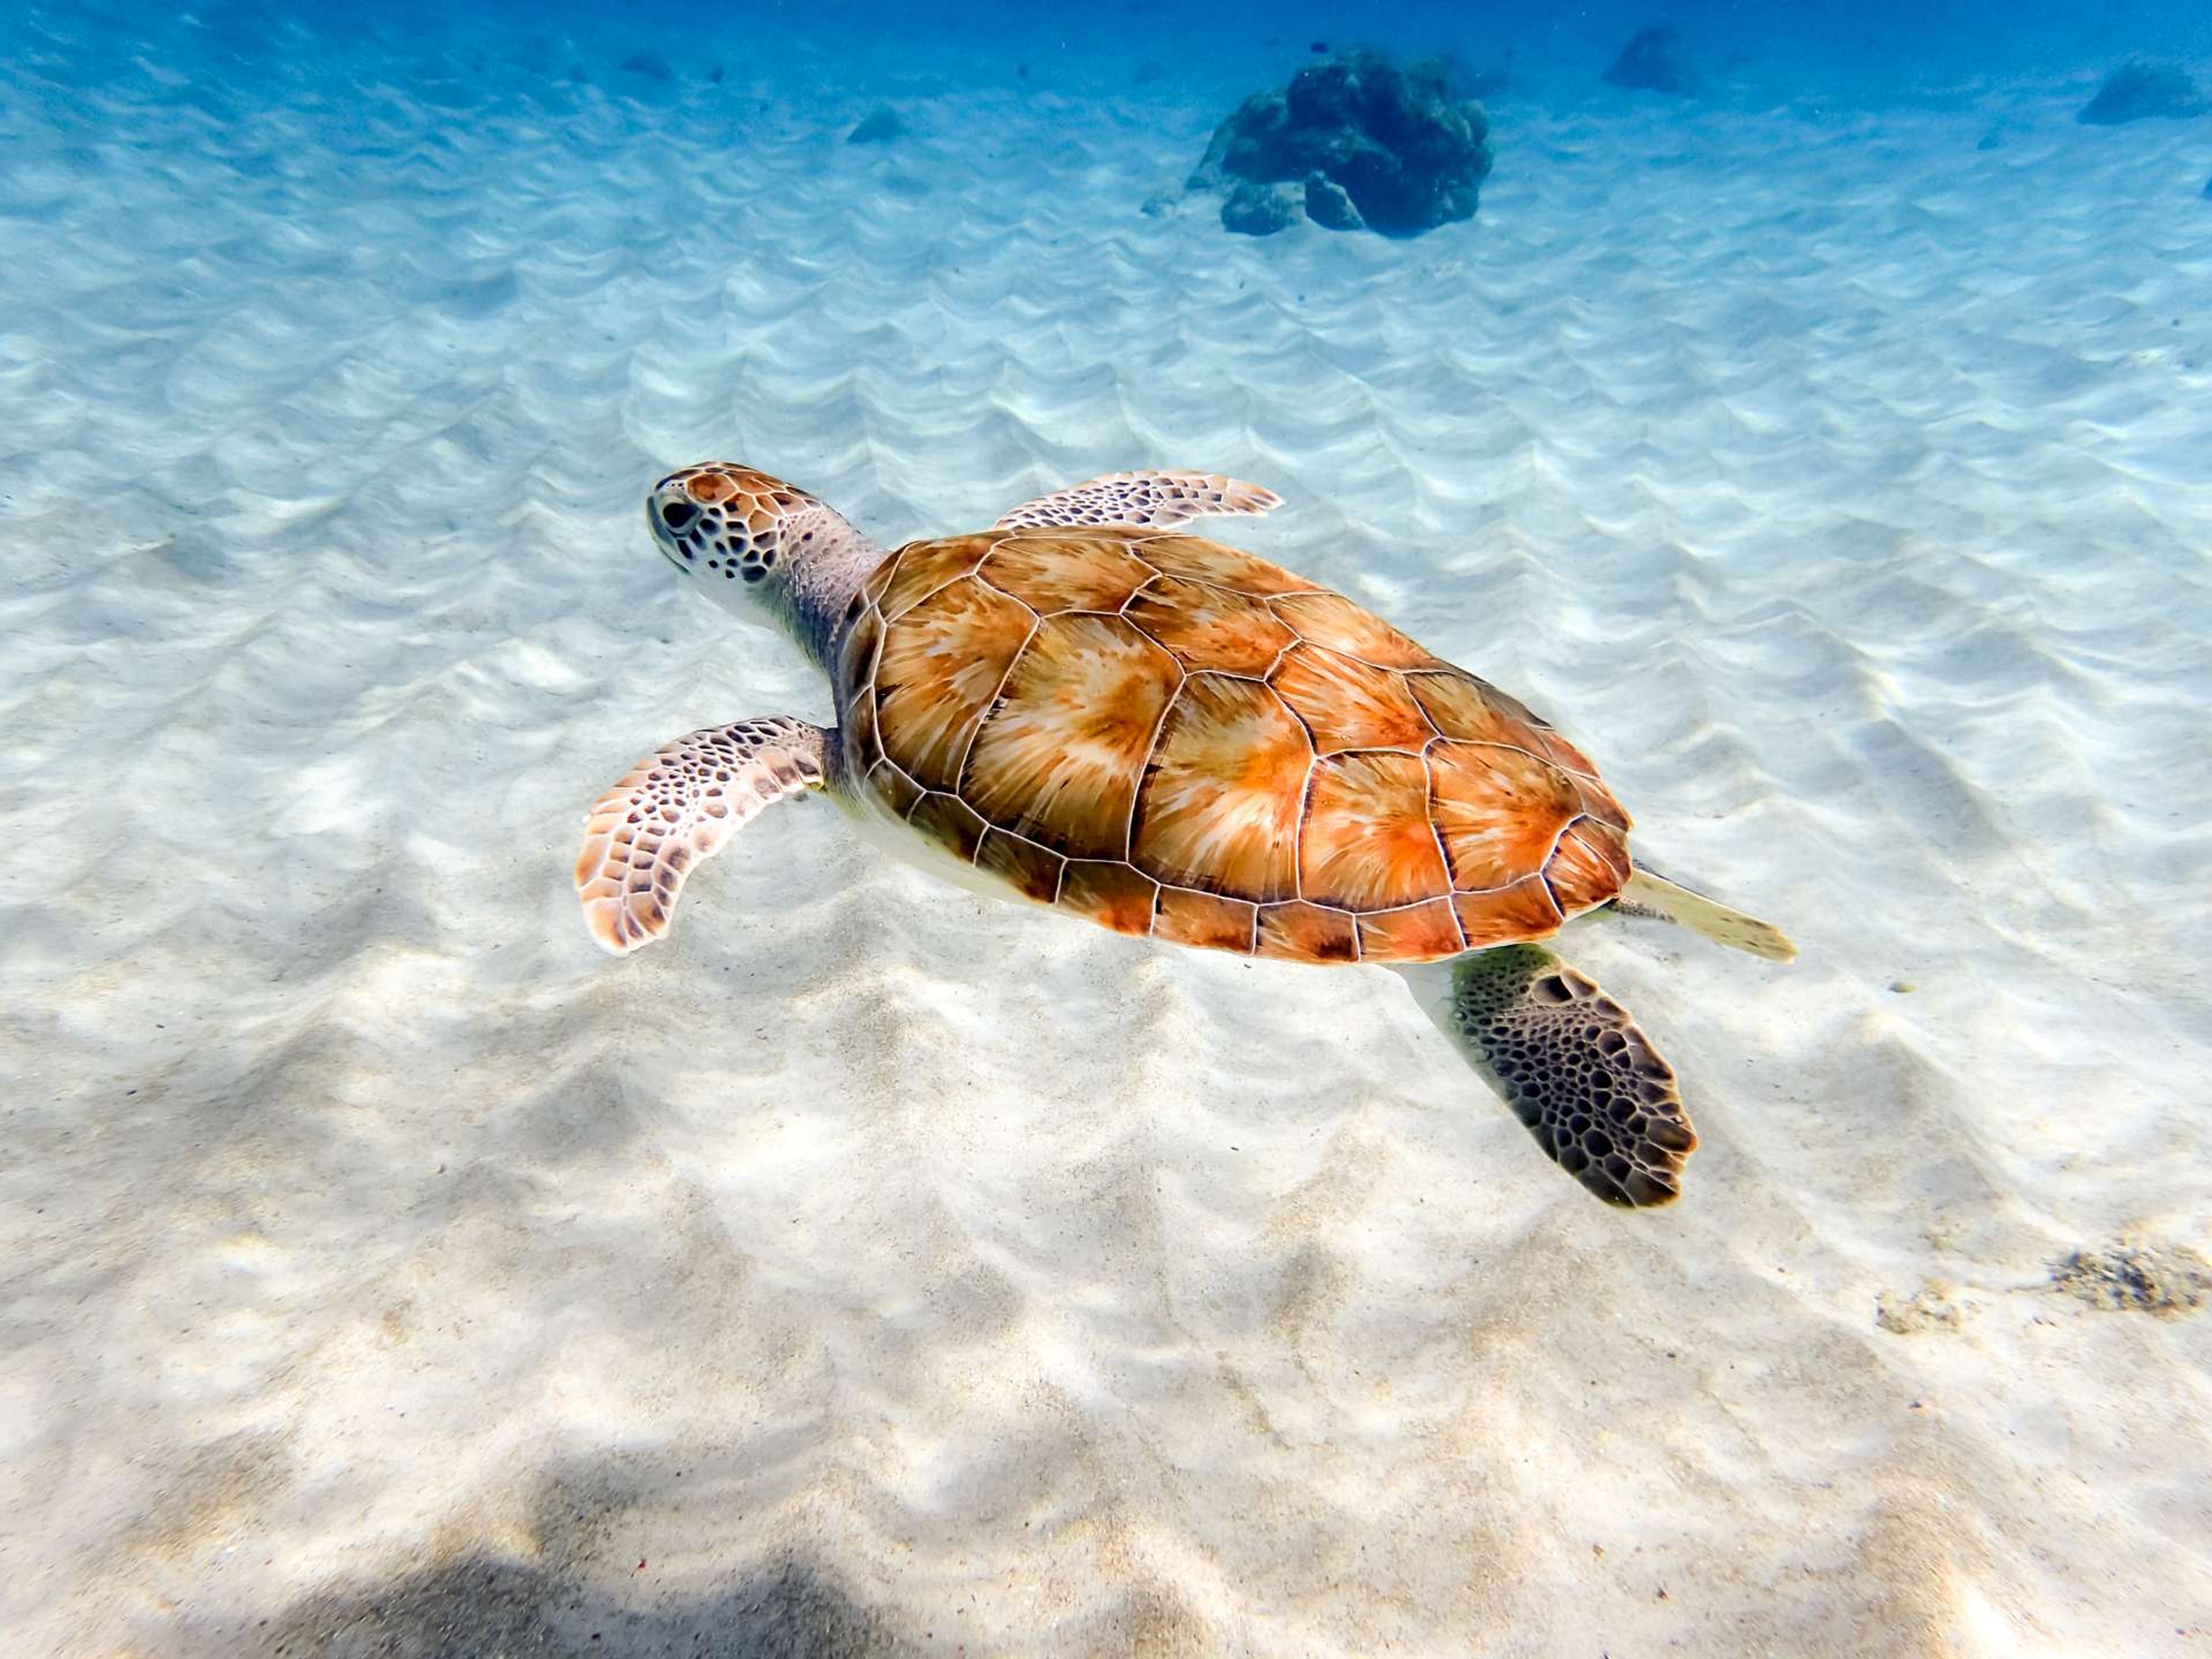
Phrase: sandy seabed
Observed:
(873, 1269)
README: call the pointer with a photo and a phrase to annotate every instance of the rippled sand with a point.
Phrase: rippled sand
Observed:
(871, 1268)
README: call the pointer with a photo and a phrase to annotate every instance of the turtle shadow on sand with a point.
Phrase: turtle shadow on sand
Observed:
(1354, 143)
(517, 1607)
(581, 1563)
(563, 1588)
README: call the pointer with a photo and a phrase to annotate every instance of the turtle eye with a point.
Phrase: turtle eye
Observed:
(676, 514)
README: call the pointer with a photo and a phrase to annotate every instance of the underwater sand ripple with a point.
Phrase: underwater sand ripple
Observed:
(1838, 496)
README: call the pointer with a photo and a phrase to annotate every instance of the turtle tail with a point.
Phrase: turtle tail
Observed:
(1653, 895)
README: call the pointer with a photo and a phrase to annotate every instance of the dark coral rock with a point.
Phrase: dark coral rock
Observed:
(2137, 91)
(1401, 151)
(1650, 62)
(881, 127)
(1212, 169)
(1329, 206)
(1260, 209)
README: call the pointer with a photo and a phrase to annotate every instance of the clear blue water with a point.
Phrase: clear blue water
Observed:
(870, 1269)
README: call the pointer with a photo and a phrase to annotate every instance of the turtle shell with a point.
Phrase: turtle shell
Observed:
(1174, 738)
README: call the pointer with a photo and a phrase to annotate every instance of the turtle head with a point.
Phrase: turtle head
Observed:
(754, 541)
(725, 524)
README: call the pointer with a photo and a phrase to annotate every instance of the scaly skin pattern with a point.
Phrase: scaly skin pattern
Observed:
(679, 805)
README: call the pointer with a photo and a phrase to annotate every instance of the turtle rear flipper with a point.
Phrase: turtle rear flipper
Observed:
(678, 805)
(1569, 1062)
(1661, 900)
(1157, 499)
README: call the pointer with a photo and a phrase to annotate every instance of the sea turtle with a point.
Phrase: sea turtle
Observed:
(1086, 706)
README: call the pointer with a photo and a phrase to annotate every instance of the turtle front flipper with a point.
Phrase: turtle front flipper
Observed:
(1160, 501)
(1569, 1062)
(678, 805)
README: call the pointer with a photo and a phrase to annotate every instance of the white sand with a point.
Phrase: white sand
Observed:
(871, 1268)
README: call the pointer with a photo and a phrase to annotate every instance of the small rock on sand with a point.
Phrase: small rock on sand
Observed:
(2166, 1280)
(1650, 62)
(881, 126)
(1260, 209)
(2140, 91)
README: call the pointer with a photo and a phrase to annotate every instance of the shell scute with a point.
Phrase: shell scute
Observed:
(1474, 711)
(1206, 919)
(1516, 723)
(1052, 574)
(863, 738)
(1505, 915)
(1497, 810)
(1028, 868)
(1222, 797)
(940, 667)
(1560, 752)
(1368, 844)
(1598, 801)
(1417, 932)
(1307, 933)
(856, 658)
(1349, 704)
(921, 568)
(1061, 755)
(1192, 558)
(1589, 866)
(1111, 894)
(1210, 627)
(1462, 706)
(880, 578)
(898, 791)
(950, 822)
(1324, 618)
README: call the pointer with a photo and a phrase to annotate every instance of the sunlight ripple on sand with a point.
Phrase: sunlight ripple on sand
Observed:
(916, 1271)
